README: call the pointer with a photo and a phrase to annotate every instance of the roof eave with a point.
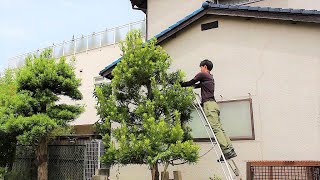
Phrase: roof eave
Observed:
(309, 18)
(107, 70)
(140, 5)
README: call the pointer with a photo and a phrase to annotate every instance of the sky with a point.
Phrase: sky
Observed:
(28, 25)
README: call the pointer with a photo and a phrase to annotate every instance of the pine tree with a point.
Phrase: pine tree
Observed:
(150, 106)
(36, 111)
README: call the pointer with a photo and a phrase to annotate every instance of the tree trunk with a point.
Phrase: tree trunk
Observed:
(149, 93)
(155, 172)
(42, 159)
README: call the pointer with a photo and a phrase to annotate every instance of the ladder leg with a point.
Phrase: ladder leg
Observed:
(225, 168)
(234, 167)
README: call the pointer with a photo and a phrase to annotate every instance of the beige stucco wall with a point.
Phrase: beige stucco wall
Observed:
(295, 4)
(278, 64)
(164, 13)
(91, 63)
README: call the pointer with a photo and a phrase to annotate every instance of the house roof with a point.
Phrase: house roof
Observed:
(209, 8)
(140, 4)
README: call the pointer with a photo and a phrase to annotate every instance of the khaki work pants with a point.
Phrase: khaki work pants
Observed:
(212, 112)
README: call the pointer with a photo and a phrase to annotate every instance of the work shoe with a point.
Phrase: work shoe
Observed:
(228, 155)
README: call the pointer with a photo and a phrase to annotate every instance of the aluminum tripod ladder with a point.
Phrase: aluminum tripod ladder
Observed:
(230, 169)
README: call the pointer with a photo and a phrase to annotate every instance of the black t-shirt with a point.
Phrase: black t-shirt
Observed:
(206, 83)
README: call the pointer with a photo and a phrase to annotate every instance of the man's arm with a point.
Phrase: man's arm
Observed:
(190, 83)
(193, 81)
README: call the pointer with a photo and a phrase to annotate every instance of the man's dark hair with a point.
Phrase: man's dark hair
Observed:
(207, 63)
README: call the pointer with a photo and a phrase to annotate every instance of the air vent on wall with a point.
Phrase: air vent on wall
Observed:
(210, 25)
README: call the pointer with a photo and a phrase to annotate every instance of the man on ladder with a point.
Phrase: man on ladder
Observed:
(211, 108)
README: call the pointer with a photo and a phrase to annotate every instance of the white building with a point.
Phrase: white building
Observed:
(267, 73)
(91, 52)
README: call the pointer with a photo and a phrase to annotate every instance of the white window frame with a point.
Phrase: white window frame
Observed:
(236, 138)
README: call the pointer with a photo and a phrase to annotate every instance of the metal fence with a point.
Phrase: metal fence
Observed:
(283, 170)
(95, 149)
(85, 43)
(24, 165)
(68, 162)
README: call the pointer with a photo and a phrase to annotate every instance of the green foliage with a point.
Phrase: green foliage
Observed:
(34, 112)
(46, 79)
(150, 107)
(2, 172)
(7, 97)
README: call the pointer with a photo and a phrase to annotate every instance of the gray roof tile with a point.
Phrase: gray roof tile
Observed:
(266, 9)
(274, 9)
(296, 11)
(285, 10)
(263, 9)
(253, 8)
(215, 5)
(233, 7)
(224, 6)
(243, 7)
(308, 11)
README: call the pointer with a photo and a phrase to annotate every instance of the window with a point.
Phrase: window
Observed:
(99, 80)
(236, 118)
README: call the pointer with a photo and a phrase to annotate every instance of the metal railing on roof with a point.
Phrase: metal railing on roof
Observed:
(85, 43)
